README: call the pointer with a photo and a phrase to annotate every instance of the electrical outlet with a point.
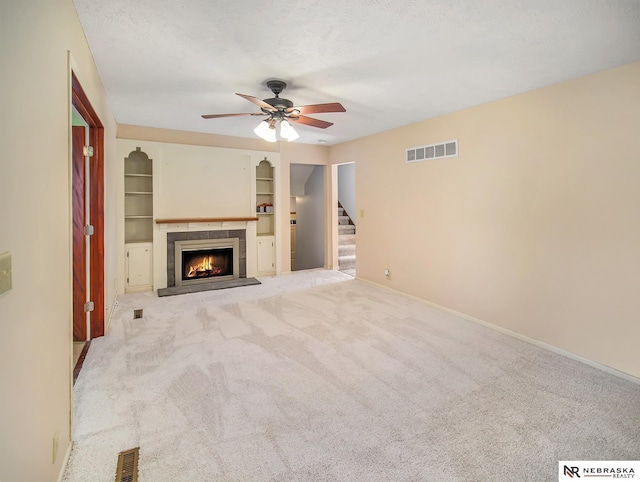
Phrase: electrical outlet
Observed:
(387, 273)
(54, 454)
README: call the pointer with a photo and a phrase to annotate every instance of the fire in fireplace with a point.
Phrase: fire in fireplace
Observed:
(207, 263)
(206, 260)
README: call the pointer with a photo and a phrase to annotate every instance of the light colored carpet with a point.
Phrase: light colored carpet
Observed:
(319, 376)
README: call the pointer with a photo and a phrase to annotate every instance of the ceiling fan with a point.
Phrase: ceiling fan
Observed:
(283, 111)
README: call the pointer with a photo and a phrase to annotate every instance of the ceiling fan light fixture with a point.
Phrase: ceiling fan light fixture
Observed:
(283, 111)
(266, 130)
(287, 131)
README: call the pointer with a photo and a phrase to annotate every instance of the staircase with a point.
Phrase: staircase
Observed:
(346, 243)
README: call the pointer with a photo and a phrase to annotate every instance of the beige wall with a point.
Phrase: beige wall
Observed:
(35, 316)
(194, 181)
(533, 228)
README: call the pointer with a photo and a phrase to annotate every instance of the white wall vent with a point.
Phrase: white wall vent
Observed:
(433, 151)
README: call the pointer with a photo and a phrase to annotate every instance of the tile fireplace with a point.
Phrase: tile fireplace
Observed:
(195, 257)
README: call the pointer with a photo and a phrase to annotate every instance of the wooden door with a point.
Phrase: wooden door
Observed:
(96, 182)
(78, 193)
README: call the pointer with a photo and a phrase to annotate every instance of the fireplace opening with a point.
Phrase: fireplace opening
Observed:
(206, 260)
(206, 263)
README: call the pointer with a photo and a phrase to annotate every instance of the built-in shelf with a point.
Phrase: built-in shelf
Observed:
(138, 197)
(265, 198)
(265, 228)
(204, 220)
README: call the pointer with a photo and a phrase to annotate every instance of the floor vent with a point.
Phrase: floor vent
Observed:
(433, 151)
(128, 466)
(137, 314)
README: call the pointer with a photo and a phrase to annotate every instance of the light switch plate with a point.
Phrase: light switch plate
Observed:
(5, 272)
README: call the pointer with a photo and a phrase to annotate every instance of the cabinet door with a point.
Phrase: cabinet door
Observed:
(266, 255)
(139, 270)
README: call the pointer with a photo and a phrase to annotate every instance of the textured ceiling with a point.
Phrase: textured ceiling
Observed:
(389, 62)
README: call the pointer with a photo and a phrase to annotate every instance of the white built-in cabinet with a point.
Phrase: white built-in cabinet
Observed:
(139, 266)
(265, 210)
(266, 255)
(138, 221)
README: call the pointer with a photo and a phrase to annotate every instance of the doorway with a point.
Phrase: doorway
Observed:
(308, 216)
(87, 186)
(347, 218)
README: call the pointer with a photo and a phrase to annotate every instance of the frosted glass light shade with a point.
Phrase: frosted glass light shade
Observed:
(287, 131)
(266, 131)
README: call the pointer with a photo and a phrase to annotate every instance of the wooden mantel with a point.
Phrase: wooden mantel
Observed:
(203, 220)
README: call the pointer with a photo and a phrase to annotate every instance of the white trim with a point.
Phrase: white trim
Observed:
(67, 455)
(532, 341)
(113, 307)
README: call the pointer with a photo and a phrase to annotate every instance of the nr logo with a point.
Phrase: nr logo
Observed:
(571, 471)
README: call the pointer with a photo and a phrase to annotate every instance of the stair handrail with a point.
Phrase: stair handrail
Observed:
(346, 213)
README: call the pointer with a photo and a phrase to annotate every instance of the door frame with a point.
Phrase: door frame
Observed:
(96, 187)
(326, 247)
(80, 241)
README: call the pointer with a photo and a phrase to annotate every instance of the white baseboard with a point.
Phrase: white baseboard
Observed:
(65, 461)
(533, 341)
(108, 321)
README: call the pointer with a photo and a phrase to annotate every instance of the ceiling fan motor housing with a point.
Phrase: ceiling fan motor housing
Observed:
(279, 103)
(277, 86)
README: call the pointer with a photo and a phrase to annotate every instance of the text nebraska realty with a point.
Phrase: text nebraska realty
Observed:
(613, 472)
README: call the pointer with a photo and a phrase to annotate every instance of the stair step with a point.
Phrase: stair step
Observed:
(346, 239)
(347, 262)
(346, 249)
(346, 242)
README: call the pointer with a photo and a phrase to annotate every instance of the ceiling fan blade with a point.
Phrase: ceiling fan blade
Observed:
(215, 116)
(310, 121)
(318, 108)
(260, 103)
